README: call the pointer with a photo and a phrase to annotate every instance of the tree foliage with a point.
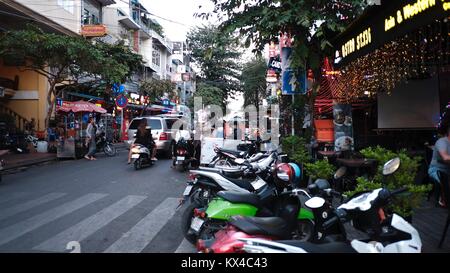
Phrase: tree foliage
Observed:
(210, 95)
(65, 60)
(312, 23)
(217, 55)
(403, 177)
(254, 81)
(156, 89)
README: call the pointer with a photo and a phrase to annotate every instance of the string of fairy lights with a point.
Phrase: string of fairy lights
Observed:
(418, 55)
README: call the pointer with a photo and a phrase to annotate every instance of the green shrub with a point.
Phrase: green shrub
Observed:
(295, 148)
(319, 169)
(403, 177)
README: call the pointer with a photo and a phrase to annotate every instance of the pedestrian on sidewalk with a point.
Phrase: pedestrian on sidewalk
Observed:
(91, 133)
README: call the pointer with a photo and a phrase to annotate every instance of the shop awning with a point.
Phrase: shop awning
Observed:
(80, 106)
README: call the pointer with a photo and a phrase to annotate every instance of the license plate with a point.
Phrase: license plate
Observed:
(135, 156)
(187, 191)
(258, 184)
(197, 224)
(180, 158)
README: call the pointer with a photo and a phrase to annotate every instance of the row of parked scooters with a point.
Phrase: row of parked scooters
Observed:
(254, 204)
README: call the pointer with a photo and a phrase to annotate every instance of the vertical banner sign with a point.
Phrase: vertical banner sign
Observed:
(343, 127)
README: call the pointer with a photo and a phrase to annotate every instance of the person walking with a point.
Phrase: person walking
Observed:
(91, 133)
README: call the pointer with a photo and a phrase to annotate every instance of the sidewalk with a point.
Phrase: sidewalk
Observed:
(14, 161)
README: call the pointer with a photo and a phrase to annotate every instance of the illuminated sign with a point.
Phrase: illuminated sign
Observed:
(358, 42)
(409, 11)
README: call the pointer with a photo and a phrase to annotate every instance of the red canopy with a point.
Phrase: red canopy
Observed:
(80, 106)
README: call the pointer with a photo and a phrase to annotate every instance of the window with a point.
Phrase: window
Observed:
(156, 55)
(155, 124)
(90, 19)
(68, 5)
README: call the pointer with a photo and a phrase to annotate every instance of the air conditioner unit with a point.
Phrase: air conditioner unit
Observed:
(126, 42)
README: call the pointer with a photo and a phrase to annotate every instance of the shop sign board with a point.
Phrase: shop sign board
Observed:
(343, 127)
(383, 23)
(93, 30)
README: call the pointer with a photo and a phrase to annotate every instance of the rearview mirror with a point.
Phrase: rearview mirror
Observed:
(391, 166)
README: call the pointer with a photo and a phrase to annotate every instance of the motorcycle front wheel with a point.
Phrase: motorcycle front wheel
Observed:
(109, 150)
(304, 231)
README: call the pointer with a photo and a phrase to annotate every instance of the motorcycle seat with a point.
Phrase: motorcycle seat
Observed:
(268, 226)
(243, 198)
(335, 247)
(233, 152)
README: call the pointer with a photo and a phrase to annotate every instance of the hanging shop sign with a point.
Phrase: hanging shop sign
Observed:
(93, 30)
(275, 64)
(383, 23)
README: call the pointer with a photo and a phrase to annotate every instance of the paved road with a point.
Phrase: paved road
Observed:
(105, 205)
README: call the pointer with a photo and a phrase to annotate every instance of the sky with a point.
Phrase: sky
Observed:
(180, 11)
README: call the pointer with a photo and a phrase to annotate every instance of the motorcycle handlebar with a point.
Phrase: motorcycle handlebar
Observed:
(330, 222)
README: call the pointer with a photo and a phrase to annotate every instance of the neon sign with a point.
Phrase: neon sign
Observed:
(409, 11)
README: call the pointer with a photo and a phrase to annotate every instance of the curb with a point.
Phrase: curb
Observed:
(28, 164)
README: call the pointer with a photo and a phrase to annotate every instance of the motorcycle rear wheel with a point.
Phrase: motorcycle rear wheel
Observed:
(138, 164)
(186, 220)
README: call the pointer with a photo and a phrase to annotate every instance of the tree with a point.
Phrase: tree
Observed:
(64, 60)
(156, 89)
(311, 23)
(210, 95)
(217, 55)
(254, 81)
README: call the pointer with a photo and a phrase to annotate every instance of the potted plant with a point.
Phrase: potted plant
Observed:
(295, 148)
(320, 169)
(403, 177)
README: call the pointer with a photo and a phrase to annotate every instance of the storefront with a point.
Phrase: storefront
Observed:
(72, 120)
(395, 57)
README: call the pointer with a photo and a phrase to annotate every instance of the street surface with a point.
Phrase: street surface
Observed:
(105, 205)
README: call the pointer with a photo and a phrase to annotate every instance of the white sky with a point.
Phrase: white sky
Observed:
(181, 11)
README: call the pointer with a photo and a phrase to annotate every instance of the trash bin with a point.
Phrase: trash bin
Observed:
(42, 147)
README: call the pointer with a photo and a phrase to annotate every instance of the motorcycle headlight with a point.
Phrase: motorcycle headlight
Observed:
(135, 150)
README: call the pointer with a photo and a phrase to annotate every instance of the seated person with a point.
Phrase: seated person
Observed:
(143, 137)
(440, 160)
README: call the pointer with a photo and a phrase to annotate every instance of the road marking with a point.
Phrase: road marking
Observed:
(12, 196)
(139, 236)
(12, 232)
(185, 247)
(90, 225)
(7, 212)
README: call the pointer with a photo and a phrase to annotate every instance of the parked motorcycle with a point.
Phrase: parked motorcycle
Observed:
(387, 234)
(204, 183)
(104, 145)
(227, 157)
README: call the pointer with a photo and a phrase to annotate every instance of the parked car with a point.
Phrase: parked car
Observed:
(162, 132)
